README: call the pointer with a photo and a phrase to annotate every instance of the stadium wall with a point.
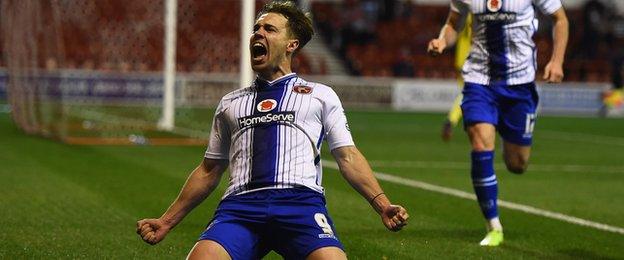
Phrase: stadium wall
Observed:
(569, 98)
(205, 90)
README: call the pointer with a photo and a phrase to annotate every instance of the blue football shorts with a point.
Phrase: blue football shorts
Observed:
(291, 222)
(511, 109)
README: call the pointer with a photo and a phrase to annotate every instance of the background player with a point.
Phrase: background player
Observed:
(499, 93)
(462, 49)
(270, 134)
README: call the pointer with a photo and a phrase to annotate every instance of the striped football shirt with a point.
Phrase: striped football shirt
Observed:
(502, 48)
(272, 132)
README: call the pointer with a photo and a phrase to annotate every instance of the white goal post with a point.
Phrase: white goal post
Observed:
(167, 120)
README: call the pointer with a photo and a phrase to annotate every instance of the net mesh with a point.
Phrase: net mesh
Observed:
(91, 71)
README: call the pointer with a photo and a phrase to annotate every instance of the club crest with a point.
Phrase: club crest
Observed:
(302, 89)
(266, 105)
(494, 5)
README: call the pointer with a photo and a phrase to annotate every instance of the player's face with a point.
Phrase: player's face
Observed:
(269, 43)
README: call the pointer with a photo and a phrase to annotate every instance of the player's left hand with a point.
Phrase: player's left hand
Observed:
(394, 217)
(553, 72)
(152, 231)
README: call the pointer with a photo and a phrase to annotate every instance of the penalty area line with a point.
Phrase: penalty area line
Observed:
(501, 203)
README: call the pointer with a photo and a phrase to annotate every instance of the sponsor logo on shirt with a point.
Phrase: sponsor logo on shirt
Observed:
(497, 17)
(266, 105)
(267, 119)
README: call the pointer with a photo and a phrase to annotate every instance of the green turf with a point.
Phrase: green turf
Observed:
(87, 120)
(62, 201)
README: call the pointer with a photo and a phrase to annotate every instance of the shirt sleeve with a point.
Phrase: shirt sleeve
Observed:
(459, 6)
(335, 122)
(219, 141)
(547, 6)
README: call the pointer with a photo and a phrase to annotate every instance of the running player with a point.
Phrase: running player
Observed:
(499, 93)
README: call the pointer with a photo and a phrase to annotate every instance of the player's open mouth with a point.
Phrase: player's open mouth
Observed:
(258, 51)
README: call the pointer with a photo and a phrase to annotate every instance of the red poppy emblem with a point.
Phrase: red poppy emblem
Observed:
(494, 5)
(302, 89)
(267, 105)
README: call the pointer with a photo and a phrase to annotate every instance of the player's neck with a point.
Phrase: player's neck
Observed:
(272, 77)
(274, 73)
(263, 82)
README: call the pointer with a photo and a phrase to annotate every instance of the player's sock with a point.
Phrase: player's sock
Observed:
(484, 182)
(494, 224)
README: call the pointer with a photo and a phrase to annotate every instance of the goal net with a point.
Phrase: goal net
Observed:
(91, 71)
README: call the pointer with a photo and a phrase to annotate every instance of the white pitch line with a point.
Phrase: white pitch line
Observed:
(501, 203)
(464, 166)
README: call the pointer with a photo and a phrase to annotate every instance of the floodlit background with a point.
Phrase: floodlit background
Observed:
(90, 142)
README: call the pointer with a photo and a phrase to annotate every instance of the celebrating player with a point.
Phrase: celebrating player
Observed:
(499, 92)
(270, 135)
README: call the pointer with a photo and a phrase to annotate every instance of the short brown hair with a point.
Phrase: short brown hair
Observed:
(298, 22)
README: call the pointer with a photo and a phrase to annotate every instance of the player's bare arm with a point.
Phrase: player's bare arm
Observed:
(448, 34)
(200, 183)
(356, 170)
(553, 72)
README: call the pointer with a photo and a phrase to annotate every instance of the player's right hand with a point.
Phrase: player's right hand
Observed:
(152, 230)
(436, 47)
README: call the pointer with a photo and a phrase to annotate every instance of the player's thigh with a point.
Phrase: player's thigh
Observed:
(208, 249)
(517, 117)
(327, 253)
(302, 225)
(516, 128)
(480, 115)
(237, 228)
(479, 104)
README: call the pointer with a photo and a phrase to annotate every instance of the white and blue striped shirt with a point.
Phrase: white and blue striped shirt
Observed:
(502, 46)
(272, 132)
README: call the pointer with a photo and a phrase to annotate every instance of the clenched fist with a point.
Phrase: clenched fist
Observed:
(394, 217)
(152, 230)
(436, 47)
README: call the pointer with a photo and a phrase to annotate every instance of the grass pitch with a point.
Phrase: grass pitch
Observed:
(64, 201)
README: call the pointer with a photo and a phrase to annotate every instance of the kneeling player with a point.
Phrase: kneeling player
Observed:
(270, 135)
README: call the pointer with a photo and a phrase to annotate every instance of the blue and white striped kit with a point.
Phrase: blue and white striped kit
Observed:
(272, 132)
(502, 48)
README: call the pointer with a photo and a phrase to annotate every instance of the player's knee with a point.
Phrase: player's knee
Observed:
(327, 253)
(518, 166)
(480, 145)
(516, 169)
(207, 249)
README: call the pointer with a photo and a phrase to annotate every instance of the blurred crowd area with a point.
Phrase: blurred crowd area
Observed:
(120, 35)
(389, 38)
(384, 38)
